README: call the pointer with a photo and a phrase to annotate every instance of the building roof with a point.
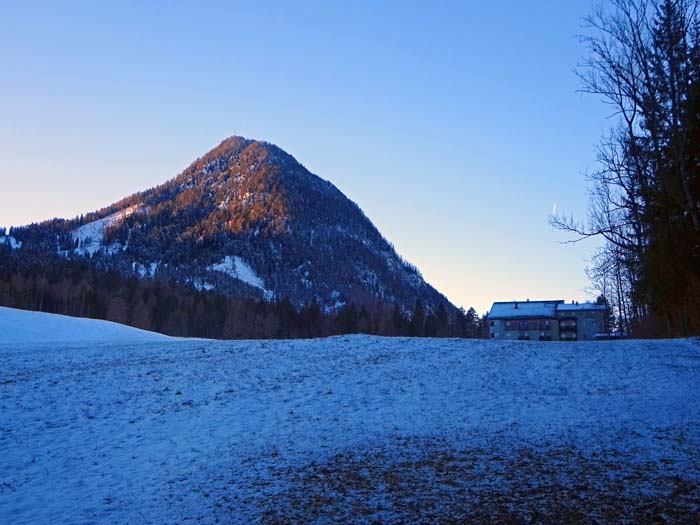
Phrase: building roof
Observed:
(516, 309)
(529, 309)
(580, 306)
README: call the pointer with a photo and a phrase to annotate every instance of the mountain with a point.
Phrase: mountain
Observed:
(244, 220)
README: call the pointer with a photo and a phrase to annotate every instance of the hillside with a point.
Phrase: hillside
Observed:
(356, 428)
(244, 220)
(22, 326)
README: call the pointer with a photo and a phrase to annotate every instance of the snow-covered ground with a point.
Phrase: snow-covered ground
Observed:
(23, 326)
(352, 429)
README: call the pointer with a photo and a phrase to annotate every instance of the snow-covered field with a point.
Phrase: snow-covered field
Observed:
(21, 326)
(354, 429)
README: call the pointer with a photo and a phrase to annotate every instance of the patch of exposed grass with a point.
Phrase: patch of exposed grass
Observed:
(430, 481)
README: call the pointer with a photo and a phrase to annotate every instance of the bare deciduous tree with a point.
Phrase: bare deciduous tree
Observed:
(644, 61)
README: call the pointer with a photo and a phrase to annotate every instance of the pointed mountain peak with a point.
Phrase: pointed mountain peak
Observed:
(247, 219)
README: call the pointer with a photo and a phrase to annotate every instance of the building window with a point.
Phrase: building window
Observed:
(524, 336)
(507, 325)
(523, 326)
(544, 325)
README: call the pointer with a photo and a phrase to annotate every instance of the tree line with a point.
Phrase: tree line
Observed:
(644, 61)
(76, 288)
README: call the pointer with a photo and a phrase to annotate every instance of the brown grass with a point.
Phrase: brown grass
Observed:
(431, 482)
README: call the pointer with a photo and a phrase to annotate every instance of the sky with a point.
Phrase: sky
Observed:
(456, 127)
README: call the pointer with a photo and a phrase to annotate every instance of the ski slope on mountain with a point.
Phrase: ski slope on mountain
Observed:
(38, 327)
(354, 429)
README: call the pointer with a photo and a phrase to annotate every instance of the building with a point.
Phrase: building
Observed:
(547, 321)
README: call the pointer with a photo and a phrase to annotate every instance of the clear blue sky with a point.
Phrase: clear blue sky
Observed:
(455, 126)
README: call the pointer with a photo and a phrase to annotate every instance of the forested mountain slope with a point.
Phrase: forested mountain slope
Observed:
(244, 220)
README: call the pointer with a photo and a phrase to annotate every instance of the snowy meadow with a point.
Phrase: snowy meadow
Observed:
(128, 427)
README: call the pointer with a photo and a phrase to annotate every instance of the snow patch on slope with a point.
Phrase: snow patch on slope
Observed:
(9, 239)
(337, 303)
(89, 236)
(23, 326)
(238, 269)
(202, 285)
(144, 271)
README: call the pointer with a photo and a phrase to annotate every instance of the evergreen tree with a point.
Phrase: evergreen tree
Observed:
(399, 322)
(364, 323)
(347, 319)
(417, 324)
(645, 61)
(431, 326)
(472, 323)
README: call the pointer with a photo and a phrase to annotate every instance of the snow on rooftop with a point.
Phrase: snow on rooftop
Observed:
(565, 307)
(514, 309)
(523, 309)
(23, 326)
